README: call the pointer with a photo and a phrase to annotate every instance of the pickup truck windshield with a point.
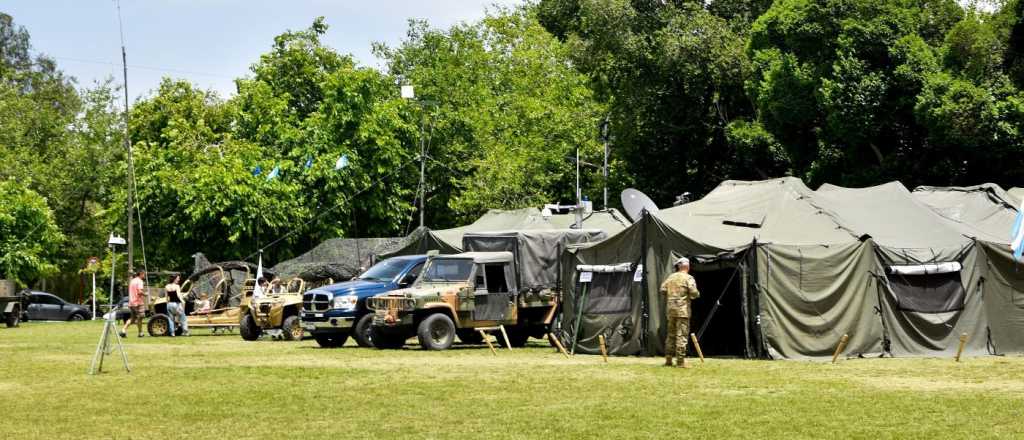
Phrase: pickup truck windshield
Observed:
(446, 270)
(386, 270)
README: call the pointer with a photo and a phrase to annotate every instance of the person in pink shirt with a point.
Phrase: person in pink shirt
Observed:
(136, 302)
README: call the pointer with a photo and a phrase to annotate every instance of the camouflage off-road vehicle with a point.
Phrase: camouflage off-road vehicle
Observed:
(222, 315)
(278, 311)
(455, 295)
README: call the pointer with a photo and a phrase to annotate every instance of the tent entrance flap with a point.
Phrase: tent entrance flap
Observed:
(725, 334)
(606, 303)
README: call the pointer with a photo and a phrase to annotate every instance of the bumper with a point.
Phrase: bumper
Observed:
(382, 319)
(328, 322)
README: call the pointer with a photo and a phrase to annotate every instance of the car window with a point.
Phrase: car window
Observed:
(386, 270)
(449, 269)
(46, 299)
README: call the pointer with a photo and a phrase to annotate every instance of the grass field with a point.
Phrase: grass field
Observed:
(222, 387)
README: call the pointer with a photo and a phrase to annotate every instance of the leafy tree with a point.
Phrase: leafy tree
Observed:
(29, 236)
(672, 75)
(504, 110)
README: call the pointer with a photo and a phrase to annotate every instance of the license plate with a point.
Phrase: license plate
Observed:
(318, 315)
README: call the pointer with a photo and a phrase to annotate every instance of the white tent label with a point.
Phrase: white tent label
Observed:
(638, 276)
(585, 277)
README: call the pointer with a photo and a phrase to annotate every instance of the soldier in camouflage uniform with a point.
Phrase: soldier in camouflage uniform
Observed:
(680, 288)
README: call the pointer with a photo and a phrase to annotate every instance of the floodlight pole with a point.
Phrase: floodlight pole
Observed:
(423, 165)
(604, 137)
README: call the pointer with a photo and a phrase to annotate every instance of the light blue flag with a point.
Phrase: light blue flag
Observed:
(273, 173)
(342, 162)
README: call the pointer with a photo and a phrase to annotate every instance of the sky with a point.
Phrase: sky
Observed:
(212, 42)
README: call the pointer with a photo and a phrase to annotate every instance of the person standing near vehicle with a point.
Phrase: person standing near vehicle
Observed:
(680, 289)
(136, 302)
(175, 308)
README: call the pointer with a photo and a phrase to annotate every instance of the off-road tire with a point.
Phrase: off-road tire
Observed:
(248, 328)
(469, 336)
(516, 336)
(331, 341)
(159, 325)
(384, 340)
(361, 330)
(76, 317)
(13, 319)
(291, 329)
(436, 332)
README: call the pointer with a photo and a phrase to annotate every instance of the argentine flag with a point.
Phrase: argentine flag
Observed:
(1017, 235)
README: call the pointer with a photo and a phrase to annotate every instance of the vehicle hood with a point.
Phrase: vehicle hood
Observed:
(425, 289)
(360, 288)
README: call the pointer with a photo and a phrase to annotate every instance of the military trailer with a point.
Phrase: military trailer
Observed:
(278, 311)
(10, 303)
(455, 295)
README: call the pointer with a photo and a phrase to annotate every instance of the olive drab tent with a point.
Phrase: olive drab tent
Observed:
(784, 272)
(987, 213)
(449, 241)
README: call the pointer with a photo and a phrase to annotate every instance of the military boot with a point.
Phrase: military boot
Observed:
(668, 360)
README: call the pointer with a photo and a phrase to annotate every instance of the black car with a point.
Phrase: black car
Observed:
(42, 306)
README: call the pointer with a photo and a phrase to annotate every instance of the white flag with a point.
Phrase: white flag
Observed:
(257, 291)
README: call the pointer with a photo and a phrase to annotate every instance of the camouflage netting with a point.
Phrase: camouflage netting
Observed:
(337, 259)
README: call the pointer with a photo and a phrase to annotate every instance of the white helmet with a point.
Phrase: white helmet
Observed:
(682, 261)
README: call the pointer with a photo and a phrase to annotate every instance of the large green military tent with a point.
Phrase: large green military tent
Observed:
(987, 213)
(787, 271)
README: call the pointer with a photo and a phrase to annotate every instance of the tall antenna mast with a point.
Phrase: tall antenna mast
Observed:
(127, 146)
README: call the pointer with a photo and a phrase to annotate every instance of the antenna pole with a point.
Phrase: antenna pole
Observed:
(128, 148)
(578, 195)
(604, 137)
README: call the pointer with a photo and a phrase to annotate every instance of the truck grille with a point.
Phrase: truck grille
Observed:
(316, 302)
(390, 304)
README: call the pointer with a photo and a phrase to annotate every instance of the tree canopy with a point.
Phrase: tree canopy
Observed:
(314, 145)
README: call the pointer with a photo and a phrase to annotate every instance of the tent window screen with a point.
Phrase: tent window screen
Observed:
(932, 293)
(609, 293)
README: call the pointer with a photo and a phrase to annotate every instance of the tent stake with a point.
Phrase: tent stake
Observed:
(840, 347)
(487, 339)
(696, 345)
(558, 344)
(963, 341)
(604, 351)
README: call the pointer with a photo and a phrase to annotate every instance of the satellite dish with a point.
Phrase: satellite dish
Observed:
(636, 202)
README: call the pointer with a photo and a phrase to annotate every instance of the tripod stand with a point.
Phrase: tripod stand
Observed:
(106, 347)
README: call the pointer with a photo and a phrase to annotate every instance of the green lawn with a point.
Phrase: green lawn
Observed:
(222, 387)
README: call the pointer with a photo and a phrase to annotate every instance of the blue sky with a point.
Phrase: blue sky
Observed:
(211, 42)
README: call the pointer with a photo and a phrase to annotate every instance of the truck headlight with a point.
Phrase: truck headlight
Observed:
(346, 302)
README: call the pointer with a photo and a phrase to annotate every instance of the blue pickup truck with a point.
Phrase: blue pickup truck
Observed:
(332, 313)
